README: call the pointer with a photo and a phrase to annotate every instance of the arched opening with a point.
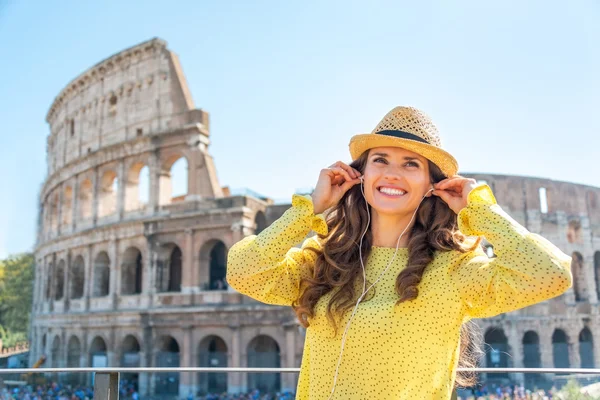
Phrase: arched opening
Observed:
(85, 199)
(213, 353)
(49, 281)
(137, 187)
(74, 359)
(59, 280)
(130, 358)
(67, 207)
(586, 348)
(131, 271)
(109, 187)
(55, 353)
(260, 222)
(73, 352)
(101, 275)
(77, 278)
(167, 356)
(597, 272)
(169, 265)
(532, 357)
(174, 180)
(98, 354)
(560, 349)
(263, 352)
(214, 255)
(496, 350)
(578, 276)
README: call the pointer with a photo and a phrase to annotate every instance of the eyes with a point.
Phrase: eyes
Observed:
(409, 163)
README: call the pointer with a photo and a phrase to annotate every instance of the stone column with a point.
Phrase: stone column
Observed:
(188, 285)
(121, 190)
(112, 350)
(235, 380)
(114, 271)
(288, 379)
(89, 277)
(516, 346)
(154, 172)
(61, 199)
(95, 195)
(75, 202)
(186, 379)
(67, 281)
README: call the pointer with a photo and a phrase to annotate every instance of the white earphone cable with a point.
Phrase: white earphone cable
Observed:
(364, 293)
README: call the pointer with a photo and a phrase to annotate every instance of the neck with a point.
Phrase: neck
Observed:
(387, 228)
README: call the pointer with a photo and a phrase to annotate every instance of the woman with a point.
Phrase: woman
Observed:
(397, 264)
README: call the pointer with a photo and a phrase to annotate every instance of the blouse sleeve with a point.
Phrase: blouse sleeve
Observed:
(526, 269)
(267, 267)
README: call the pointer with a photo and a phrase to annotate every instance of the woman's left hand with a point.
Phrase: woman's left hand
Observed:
(454, 191)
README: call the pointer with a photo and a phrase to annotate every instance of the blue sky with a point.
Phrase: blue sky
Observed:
(513, 86)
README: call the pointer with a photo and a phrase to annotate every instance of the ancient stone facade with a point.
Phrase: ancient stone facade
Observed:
(122, 280)
(127, 282)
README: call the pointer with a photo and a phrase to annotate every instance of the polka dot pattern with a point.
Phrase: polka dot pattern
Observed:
(408, 351)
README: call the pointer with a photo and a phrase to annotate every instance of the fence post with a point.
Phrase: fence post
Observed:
(106, 386)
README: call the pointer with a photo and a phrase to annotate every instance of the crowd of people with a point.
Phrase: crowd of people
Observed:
(58, 391)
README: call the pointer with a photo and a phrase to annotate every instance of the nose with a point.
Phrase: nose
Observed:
(393, 173)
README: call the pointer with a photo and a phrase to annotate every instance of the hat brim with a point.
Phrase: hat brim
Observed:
(444, 160)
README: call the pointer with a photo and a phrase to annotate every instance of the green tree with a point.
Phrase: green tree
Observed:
(16, 291)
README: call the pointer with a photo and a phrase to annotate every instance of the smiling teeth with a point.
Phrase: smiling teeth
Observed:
(393, 192)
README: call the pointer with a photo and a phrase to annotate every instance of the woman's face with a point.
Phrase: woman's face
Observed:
(395, 180)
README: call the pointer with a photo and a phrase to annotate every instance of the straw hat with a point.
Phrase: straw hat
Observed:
(410, 129)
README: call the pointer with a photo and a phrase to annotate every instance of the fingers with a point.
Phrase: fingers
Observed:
(351, 171)
(455, 181)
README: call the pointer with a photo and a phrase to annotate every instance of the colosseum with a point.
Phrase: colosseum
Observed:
(126, 278)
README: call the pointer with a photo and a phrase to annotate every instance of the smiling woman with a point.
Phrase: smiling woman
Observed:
(393, 253)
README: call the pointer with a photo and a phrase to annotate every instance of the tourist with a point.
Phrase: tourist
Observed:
(395, 268)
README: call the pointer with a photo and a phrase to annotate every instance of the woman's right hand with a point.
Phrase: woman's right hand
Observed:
(332, 184)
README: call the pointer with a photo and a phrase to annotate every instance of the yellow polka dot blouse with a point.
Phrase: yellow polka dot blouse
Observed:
(408, 351)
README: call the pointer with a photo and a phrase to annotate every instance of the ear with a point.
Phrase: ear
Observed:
(430, 191)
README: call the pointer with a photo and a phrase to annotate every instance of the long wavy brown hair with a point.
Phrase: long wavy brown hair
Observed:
(337, 264)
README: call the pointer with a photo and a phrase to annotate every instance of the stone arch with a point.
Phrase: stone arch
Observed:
(212, 352)
(101, 275)
(137, 187)
(496, 350)
(77, 278)
(169, 268)
(98, 352)
(107, 202)
(597, 272)
(67, 207)
(263, 351)
(167, 355)
(260, 222)
(131, 271)
(86, 193)
(560, 349)
(59, 280)
(73, 352)
(586, 348)
(130, 358)
(578, 276)
(174, 179)
(55, 352)
(213, 258)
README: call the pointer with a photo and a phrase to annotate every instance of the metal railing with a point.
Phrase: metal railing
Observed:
(106, 380)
